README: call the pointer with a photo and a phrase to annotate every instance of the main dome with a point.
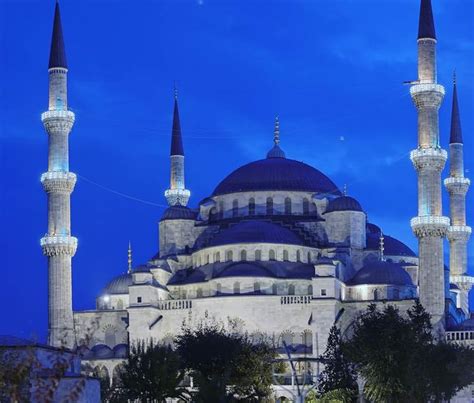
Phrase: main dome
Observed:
(276, 174)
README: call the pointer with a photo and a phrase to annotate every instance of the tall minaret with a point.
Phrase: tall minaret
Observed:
(177, 194)
(58, 244)
(429, 158)
(459, 232)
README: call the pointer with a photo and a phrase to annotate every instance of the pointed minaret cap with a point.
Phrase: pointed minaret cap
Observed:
(276, 151)
(176, 139)
(456, 131)
(57, 55)
(426, 26)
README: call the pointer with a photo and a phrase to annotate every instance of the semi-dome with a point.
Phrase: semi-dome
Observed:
(343, 203)
(381, 272)
(392, 246)
(119, 284)
(178, 213)
(276, 174)
(256, 231)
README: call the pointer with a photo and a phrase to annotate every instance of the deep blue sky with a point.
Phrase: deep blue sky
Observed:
(331, 69)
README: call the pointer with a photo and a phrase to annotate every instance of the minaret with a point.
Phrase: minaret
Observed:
(58, 244)
(129, 270)
(177, 194)
(430, 227)
(459, 232)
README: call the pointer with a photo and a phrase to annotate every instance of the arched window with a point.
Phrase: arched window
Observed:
(235, 208)
(229, 256)
(252, 206)
(287, 205)
(221, 209)
(217, 257)
(376, 294)
(236, 288)
(243, 255)
(184, 294)
(208, 258)
(310, 290)
(119, 304)
(199, 261)
(285, 256)
(218, 288)
(269, 206)
(298, 256)
(274, 289)
(309, 257)
(305, 206)
(291, 289)
(258, 255)
(199, 293)
(213, 214)
(110, 336)
(271, 255)
(256, 287)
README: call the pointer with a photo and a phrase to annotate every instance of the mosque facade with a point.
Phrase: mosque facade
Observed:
(277, 250)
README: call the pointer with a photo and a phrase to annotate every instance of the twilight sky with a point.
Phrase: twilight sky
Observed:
(331, 69)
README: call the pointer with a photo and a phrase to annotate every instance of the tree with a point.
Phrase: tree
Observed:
(400, 361)
(152, 372)
(225, 366)
(338, 373)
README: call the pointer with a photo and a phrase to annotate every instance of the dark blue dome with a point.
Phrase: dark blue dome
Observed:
(276, 174)
(343, 203)
(178, 213)
(392, 246)
(121, 351)
(380, 272)
(256, 231)
(119, 285)
(102, 351)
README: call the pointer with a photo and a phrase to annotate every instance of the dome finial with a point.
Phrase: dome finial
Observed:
(175, 91)
(129, 257)
(344, 190)
(276, 132)
(381, 246)
(454, 77)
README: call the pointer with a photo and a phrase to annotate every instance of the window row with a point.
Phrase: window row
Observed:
(257, 289)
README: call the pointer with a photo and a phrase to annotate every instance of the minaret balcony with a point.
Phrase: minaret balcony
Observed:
(58, 181)
(427, 226)
(57, 245)
(463, 281)
(427, 95)
(459, 233)
(58, 122)
(429, 158)
(176, 197)
(457, 185)
(426, 87)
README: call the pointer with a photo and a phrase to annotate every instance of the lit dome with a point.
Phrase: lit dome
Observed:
(119, 284)
(381, 272)
(276, 173)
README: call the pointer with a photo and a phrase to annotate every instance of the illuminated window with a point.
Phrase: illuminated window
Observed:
(199, 293)
(310, 290)
(139, 300)
(271, 254)
(285, 256)
(258, 255)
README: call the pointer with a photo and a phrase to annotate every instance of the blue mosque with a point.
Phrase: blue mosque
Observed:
(276, 249)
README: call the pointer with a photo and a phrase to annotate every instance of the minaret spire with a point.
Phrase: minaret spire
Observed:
(381, 246)
(58, 244)
(426, 26)
(177, 194)
(457, 186)
(429, 226)
(276, 132)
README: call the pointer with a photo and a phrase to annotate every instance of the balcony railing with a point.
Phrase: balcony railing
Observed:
(429, 219)
(58, 240)
(57, 114)
(51, 175)
(419, 88)
(295, 299)
(167, 305)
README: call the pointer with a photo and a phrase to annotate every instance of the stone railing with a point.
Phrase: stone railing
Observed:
(463, 336)
(61, 175)
(295, 299)
(57, 114)
(456, 180)
(460, 228)
(167, 305)
(57, 245)
(419, 88)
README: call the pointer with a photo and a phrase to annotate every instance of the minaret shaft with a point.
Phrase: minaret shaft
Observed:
(429, 159)
(459, 233)
(58, 244)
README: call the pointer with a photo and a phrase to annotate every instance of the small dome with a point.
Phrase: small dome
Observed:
(119, 285)
(380, 272)
(121, 351)
(178, 213)
(373, 229)
(256, 231)
(392, 246)
(102, 351)
(276, 174)
(343, 203)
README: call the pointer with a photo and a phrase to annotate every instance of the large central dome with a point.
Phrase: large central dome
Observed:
(276, 174)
